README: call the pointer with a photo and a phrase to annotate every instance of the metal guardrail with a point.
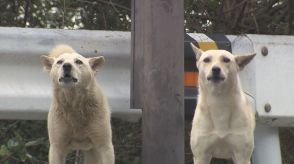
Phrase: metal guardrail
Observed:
(269, 77)
(25, 90)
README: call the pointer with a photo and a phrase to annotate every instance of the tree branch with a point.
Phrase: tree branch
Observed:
(115, 4)
(237, 20)
(235, 7)
(290, 18)
(219, 14)
(26, 14)
(255, 22)
(108, 3)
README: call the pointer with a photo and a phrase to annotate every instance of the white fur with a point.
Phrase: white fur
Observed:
(79, 116)
(223, 124)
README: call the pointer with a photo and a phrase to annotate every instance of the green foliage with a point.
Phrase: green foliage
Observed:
(23, 142)
(26, 142)
(127, 141)
(239, 16)
(69, 14)
(229, 17)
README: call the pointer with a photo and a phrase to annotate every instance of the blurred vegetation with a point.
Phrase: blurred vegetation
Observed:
(240, 16)
(67, 14)
(23, 142)
(206, 16)
(26, 142)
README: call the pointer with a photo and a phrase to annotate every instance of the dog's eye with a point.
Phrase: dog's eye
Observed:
(78, 61)
(226, 60)
(206, 60)
(59, 62)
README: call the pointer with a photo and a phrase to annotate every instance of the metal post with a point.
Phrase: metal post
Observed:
(158, 71)
(267, 145)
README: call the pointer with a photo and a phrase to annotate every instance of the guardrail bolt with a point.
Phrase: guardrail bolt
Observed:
(264, 51)
(267, 108)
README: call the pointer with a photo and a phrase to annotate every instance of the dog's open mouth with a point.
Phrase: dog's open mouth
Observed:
(216, 79)
(67, 78)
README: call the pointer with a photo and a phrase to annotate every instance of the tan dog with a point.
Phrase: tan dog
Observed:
(223, 124)
(79, 116)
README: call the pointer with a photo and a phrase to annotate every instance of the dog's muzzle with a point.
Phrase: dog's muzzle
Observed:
(216, 75)
(67, 77)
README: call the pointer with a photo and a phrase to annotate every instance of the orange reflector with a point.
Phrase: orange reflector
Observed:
(191, 79)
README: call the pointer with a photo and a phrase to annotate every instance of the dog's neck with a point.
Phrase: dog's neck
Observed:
(72, 97)
(78, 103)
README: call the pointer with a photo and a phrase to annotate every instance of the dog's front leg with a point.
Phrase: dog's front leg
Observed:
(92, 156)
(101, 155)
(202, 160)
(242, 156)
(241, 160)
(108, 154)
(242, 147)
(56, 156)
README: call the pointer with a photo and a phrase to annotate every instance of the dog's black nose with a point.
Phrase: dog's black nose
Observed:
(216, 70)
(67, 67)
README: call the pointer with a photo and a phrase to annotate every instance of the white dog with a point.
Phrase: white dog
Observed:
(223, 124)
(79, 117)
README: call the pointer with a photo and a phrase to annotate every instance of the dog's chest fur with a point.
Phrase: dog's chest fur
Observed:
(77, 110)
(223, 111)
(218, 119)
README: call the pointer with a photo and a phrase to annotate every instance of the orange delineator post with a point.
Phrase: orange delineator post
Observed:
(191, 79)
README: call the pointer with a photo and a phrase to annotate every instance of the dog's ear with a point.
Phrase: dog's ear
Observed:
(96, 62)
(243, 60)
(47, 62)
(198, 52)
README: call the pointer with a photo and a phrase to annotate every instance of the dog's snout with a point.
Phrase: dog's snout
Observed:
(67, 67)
(216, 70)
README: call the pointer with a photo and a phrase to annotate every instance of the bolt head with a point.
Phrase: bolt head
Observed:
(267, 108)
(264, 51)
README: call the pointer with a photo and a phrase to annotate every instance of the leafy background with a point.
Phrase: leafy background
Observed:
(26, 142)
